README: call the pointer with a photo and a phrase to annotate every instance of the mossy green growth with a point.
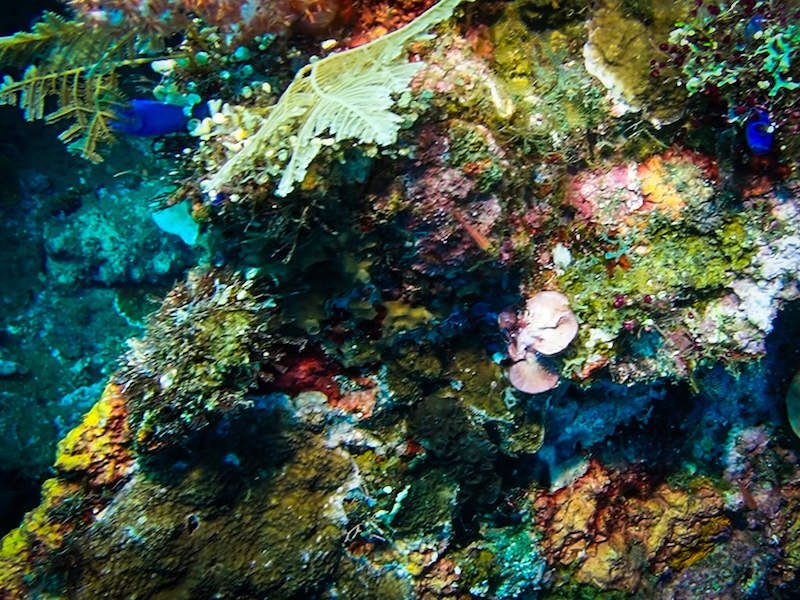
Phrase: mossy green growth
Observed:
(415, 367)
(479, 383)
(473, 150)
(557, 101)
(525, 437)
(378, 470)
(134, 303)
(428, 507)
(676, 263)
(197, 357)
(579, 591)
(208, 534)
(480, 569)
(360, 581)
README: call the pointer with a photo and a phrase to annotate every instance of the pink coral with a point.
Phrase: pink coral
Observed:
(245, 18)
(530, 376)
(546, 327)
(549, 324)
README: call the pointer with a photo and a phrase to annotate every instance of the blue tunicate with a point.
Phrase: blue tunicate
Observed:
(115, 17)
(754, 25)
(232, 459)
(759, 133)
(241, 53)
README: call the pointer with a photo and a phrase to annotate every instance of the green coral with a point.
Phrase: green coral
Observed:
(623, 48)
(680, 263)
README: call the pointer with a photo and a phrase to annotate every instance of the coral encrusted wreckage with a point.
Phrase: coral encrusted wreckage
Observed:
(487, 299)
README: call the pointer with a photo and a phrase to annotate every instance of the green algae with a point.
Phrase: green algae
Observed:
(197, 357)
(479, 383)
(453, 442)
(579, 591)
(412, 371)
(557, 101)
(680, 263)
(428, 507)
(473, 150)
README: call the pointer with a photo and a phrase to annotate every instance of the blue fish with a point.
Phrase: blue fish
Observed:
(150, 118)
(758, 132)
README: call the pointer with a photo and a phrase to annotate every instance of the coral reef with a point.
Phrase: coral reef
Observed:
(743, 57)
(482, 304)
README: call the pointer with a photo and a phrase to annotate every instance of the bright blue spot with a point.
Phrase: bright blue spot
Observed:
(758, 133)
(150, 118)
(754, 25)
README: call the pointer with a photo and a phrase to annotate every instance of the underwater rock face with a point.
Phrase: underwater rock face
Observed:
(486, 301)
(608, 544)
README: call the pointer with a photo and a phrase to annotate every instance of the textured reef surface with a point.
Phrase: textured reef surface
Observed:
(458, 299)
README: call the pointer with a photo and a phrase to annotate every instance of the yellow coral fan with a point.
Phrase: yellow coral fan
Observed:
(348, 94)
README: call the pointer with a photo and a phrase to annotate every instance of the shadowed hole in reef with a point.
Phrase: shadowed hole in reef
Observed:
(18, 16)
(692, 426)
(252, 443)
(18, 494)
(783, 348)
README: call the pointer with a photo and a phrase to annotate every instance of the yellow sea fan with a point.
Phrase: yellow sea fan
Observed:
(349, 95)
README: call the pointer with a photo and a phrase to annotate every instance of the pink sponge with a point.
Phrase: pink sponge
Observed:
(530, 376)
(546, 327)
